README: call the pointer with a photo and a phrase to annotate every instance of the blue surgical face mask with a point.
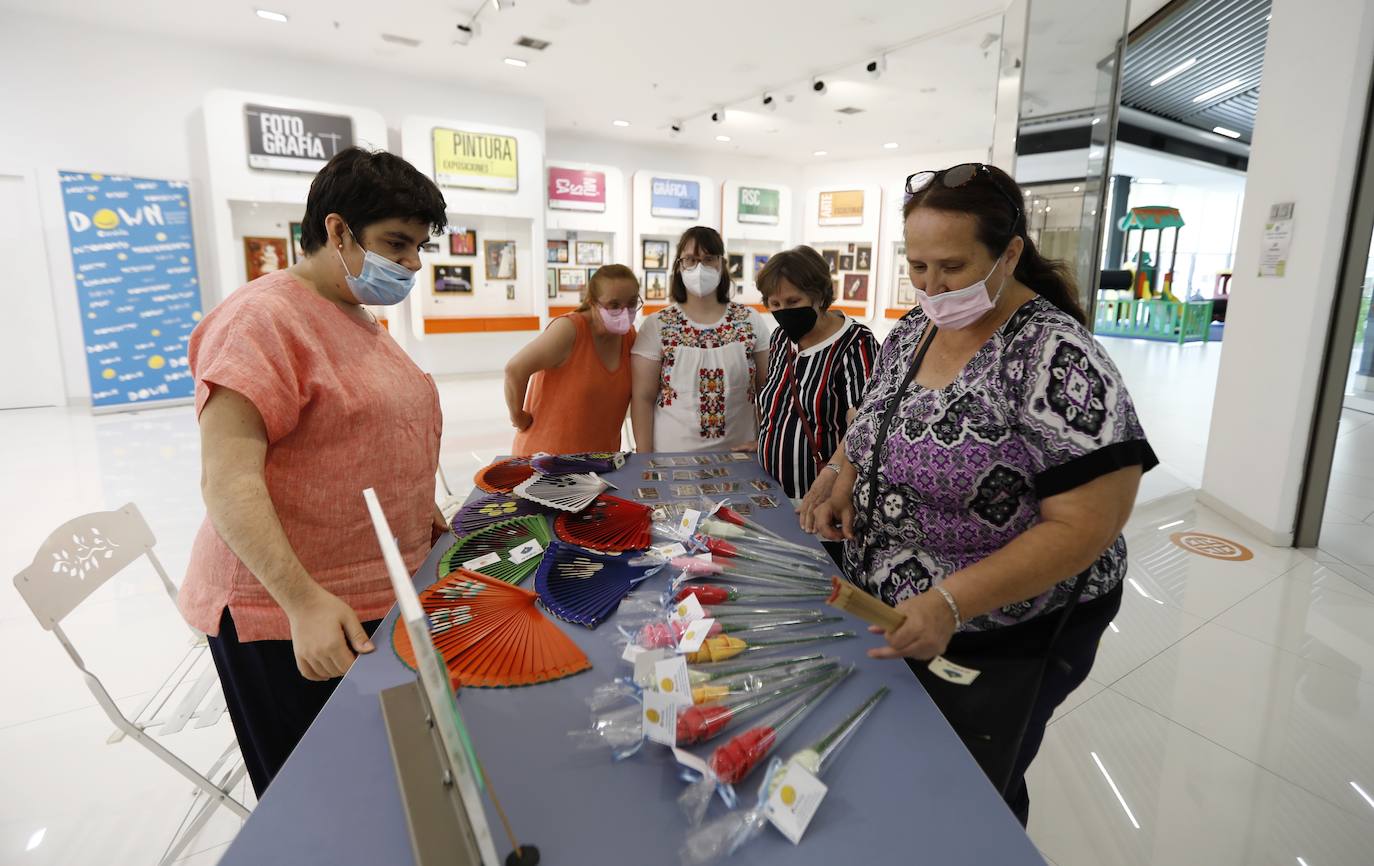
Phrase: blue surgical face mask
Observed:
(381, 282)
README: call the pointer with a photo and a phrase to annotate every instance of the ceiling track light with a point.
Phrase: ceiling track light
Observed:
(675, 129)
(818, 86)
(876, 67)
(769, 102)
(718, 114)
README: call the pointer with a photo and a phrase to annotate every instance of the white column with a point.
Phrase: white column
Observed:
(1317, 69)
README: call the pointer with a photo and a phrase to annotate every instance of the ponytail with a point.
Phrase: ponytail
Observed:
(1051, 279)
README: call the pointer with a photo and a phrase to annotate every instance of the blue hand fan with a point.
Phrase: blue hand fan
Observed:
(585, 588)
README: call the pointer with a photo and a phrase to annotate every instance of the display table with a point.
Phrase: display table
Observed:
(904, 791)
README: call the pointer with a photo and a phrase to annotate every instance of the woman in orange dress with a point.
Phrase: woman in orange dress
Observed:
(569, 389)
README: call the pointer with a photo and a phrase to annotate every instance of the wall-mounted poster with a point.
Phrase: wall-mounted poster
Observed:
(136, 286)
(463, 242)
(576, 189)
(758, 205)
(760, 259)
(262, 256)
(735, 264)
(476, 160)
(571, 279)
(842, 208)
(297, 251)
(285, 139)
(856, 287)
(846, 262)
(551, 282)
(832, 258)
(655, 254)
(500, 260)
(556, 252)
(590, 252)
(863, 259)
(671, 197)
(453, 278)
(655, 285)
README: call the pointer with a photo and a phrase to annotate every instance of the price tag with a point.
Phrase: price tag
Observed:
(695, 635)
(482, 562)
(688, 524)
(688, 610)
(690, 761)
(952, 673)
(644, 665)
(668, 551)
(525, 552)
(794, 801)
(660, 719)
(672, 681)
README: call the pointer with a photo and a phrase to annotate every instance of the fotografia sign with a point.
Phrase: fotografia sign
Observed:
(476, 160)
(284, 139)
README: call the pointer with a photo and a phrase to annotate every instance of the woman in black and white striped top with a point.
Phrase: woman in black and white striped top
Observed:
(819, 364)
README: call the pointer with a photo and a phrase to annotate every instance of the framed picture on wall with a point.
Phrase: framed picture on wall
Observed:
(297, 251)
(557, 252)
(655, 285)
(462, 242)
(736, 266)
(551, 282)
(571, 279)
(510, 293)
(655, 255)
(449, 279)
(500, 260)
(851, 248)
(863, 259)
(760, 259)
(856, 287)
(262, 256)
(832, 258)
(591, 272)
(906, 292)
(590, 252)
(846, 263)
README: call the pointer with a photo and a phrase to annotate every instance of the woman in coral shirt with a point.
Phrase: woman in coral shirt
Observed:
(569, 389)
(304, 400)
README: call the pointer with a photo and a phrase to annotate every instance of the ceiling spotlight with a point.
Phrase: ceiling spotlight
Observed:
(718, 115)
(722, 138)
(818, 153)
(818, 86)
(269, 15)
(769, 103)
(1229, 133)
(517, 62)
(876, 68)
(891, 145)
(464, 34)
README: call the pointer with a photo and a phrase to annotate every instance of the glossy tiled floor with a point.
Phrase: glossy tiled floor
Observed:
(1228, 719)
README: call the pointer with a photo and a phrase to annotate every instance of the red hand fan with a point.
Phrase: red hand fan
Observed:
(491, 634)
(503, 475)
(610, 524)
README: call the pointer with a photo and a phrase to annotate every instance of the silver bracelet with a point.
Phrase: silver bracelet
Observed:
(953, 607)
(833, 467)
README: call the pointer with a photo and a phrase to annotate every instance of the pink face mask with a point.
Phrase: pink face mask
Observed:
(616, 321)
(962, 307)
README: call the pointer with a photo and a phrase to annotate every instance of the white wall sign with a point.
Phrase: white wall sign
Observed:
(1278, 237)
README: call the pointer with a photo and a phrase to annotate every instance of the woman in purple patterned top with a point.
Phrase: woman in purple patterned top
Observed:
(1009, 453)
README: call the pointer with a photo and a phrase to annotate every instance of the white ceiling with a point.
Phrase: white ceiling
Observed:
(651, 62)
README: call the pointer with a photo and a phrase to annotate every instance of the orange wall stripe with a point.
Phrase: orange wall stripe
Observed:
(480, 324)
(555, 312)
(896, 312)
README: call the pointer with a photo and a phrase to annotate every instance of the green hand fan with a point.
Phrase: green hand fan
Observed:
(509, 550)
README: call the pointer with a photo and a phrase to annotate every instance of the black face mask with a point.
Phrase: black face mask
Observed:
(796, 322)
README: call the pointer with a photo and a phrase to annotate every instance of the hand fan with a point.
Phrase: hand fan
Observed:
(493, 508)
(503, 475)
(610, 524)
(564, 492)
(491, 634)
(566, 464)
(509, 550)
(585, 588)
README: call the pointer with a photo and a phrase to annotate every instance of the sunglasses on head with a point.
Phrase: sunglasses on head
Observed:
(957, 176)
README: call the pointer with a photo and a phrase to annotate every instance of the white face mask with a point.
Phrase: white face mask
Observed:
(701, 280)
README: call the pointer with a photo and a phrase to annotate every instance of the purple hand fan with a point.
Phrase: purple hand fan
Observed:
(494, 508)
(585, 588)
(568, 464)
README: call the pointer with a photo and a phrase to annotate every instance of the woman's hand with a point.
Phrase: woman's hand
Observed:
(925, 634)
(820, 491)
(834, 518)
(521, 420)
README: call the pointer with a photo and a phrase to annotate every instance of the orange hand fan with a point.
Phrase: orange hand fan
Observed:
(491, 634)
(503, 475)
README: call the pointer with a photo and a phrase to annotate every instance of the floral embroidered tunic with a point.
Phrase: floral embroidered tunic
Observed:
(1038, 411)
(706, 390)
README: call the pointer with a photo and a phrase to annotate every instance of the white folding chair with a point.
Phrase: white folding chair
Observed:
(75, 561)
(451, 503)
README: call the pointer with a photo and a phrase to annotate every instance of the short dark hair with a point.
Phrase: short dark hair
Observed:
(366, 187)
(804, 268)
(708, 243)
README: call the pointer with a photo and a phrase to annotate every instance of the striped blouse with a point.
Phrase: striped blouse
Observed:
(830, 378)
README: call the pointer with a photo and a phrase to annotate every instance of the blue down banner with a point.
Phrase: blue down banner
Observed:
(136, 284)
